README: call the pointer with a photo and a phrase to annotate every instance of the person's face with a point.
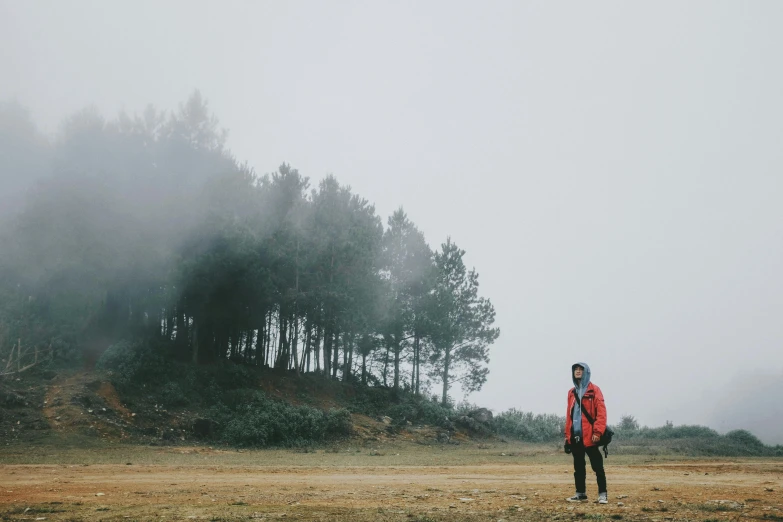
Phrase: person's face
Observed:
(578, 371)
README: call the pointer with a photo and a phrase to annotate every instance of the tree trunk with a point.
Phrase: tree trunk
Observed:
(416, 361)
(296, 311)
(350, 356)
(258, 356)
(181, 340)
(248, 353)
(335, 354)
(235, 343)
(317, 348)
(268, 340)
(446, 363)
(397, 350)
(385, 371)
(328, 339)
(305, 366)
(294, 348)
(170, 319)
(194, 347)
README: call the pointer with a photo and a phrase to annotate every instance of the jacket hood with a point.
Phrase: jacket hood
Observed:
(581, 387)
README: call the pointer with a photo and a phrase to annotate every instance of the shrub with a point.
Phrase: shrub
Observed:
(529, 427)
(172, 395)
(135, 362)
(669, 431)
(400, 407)
(265, 422)
(692, 440)
(744, 437)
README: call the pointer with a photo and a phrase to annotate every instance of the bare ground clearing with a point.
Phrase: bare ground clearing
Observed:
(405, 482)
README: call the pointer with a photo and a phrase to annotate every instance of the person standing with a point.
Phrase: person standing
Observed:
(585, 423)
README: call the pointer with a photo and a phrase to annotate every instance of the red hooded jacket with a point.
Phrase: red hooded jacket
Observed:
(592, 403)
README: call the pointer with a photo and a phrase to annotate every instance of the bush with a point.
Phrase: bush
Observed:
(529, 427)
(433, 412)
(670, 431)
(400, 406)
(264, 422)
(172, 395)
(692, 440)
(135, 362)
(230, 376)
(420, 410)
(370, 400)
(744, 437)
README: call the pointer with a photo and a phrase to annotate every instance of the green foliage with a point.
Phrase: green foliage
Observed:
(461, 323)
(136, 362)
(228, 393)
(744, 437)
(145, 227)
(265, 422)
(420, 410)
(432, 412)
(372, 401)
(400, 406)
(529, 427)
(143, 363)
(408, 274)
(628, 424)
(690, 440)
(670, 431)
(171, 394)
(713, 507)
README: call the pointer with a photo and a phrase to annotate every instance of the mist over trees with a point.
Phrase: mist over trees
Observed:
(146, 227)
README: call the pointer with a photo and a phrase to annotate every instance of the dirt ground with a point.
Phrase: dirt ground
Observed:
(71, 450)
(404, 482)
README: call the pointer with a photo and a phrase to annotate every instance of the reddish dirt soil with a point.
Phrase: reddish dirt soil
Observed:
(746, 490)
(80, 403)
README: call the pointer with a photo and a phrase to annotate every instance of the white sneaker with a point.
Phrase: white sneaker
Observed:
(602, 498)
(578, 497)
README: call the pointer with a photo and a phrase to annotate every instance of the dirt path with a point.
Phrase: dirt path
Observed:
(748, 490)
(81, 403)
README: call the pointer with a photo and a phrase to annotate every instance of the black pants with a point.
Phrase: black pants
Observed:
(596, 462)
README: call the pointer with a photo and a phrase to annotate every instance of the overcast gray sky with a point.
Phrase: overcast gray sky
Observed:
(613, 169)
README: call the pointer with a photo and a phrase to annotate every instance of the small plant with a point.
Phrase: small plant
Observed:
(715, 507)
(35, 509)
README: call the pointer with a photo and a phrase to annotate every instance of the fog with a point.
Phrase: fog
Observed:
(612, 170)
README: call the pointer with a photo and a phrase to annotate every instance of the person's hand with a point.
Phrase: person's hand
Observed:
(596, 438)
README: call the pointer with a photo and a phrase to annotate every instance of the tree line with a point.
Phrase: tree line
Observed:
(147, 226)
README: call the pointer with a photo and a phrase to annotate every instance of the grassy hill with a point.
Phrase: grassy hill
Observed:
(138, 397)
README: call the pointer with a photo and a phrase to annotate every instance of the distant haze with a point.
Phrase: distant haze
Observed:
(614, 170)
